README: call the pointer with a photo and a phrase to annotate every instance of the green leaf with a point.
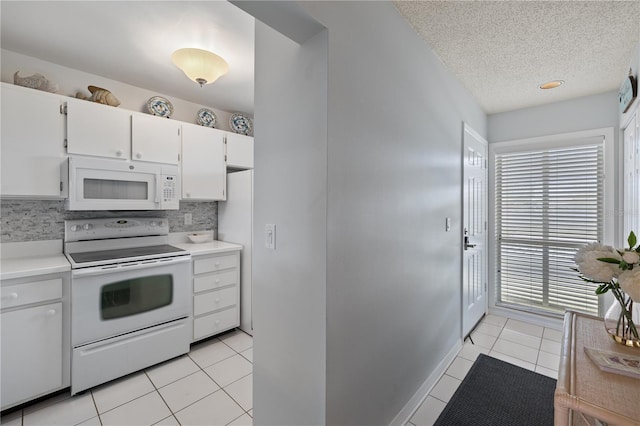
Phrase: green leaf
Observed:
(609, 260)
(632, 240)
(602, 289)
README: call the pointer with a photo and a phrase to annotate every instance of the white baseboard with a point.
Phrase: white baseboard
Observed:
(537, 319)
(418, 398)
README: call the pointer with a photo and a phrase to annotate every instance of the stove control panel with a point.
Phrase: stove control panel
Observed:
(94, 229)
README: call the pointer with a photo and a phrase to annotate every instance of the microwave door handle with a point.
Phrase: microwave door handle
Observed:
(158, 189)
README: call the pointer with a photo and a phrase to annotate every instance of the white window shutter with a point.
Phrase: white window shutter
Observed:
(549, 202)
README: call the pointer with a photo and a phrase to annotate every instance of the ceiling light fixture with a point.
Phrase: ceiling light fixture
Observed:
(199, 65)
(551, 84)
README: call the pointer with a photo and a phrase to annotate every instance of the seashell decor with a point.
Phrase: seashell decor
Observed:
(35, 81)
(99, 95)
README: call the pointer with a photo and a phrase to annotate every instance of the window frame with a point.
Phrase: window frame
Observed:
(547, 142)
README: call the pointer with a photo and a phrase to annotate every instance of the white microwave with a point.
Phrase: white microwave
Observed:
(106, 184)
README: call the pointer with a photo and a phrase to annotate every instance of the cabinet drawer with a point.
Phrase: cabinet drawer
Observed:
(215, 263)
(33, 292)
(215, 323)
(214, 300)
(219, 279)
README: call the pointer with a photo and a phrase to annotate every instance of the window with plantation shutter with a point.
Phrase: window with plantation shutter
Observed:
(548, 203)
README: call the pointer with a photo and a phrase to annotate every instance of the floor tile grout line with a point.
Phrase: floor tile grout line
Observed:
(236, 418)
(95, 405)
(187, 406)
(234, 400)
(124, 403)
(160, 395)
(237, 403)
(439, 399)
(173, 413)
(214, 381)
(214, 362)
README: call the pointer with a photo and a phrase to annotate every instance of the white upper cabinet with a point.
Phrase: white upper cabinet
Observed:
(96, 129)
(204, 172)
(239, 151)
(106, 131)
(155, 139)
(32, 146)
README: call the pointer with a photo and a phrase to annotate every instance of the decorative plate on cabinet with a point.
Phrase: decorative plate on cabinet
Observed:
(160, 106)
(240, 123)
(206, 117)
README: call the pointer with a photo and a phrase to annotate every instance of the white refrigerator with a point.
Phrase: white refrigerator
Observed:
(235, 225)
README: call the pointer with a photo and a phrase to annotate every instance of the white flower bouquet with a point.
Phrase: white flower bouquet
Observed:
(618, 271)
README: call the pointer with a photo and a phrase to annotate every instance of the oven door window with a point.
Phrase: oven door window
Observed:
(135, 296)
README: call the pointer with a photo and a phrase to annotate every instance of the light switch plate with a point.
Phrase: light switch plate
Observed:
(270, 236)
(188, 219)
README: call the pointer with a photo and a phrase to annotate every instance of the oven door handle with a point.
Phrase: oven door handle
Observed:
(131, 266)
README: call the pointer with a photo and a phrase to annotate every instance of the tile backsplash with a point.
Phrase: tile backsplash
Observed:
(34, 220)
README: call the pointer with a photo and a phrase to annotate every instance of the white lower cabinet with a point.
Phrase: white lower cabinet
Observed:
(34, 339)
(216, 293)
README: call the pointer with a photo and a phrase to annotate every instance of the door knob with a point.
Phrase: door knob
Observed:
(466, 240)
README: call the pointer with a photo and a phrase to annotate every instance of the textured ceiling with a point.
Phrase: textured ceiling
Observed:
(503, 50)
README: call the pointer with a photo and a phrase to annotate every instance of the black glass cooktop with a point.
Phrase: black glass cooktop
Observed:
(98, 256)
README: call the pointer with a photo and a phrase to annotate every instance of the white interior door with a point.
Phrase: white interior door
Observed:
(474, 226)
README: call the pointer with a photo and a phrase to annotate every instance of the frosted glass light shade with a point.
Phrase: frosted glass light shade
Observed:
(199, 65)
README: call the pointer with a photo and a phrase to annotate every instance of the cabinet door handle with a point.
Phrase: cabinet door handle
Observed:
(11, 296)
(138, 155)
(51, 312)
(217, 281)
(119, 153)
(217, 300)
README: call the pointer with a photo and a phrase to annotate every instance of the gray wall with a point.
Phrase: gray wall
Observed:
(290, 184)
(33, 220)
(393, 288)
(392, 157)
(589, 112)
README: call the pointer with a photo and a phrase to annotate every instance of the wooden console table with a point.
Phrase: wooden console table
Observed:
(585, 393)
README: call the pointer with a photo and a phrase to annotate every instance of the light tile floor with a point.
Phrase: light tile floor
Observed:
(211, 385)
(526, 345)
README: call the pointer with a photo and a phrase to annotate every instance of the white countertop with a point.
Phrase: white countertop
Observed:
(31, 258)
(208, 247)
(211, 246)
